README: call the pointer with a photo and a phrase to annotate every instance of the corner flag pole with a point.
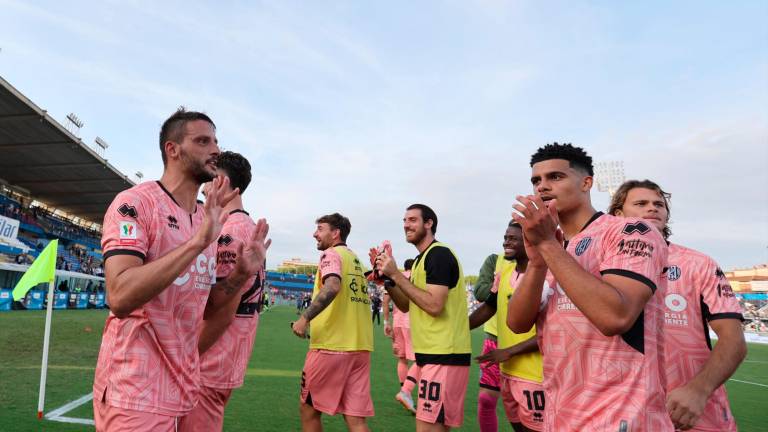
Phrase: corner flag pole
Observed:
(46, 343)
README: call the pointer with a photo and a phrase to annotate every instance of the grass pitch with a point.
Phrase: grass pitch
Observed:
(269, 399)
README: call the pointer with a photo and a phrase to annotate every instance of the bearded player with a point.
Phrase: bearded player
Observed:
(226, 340)
(336, 376)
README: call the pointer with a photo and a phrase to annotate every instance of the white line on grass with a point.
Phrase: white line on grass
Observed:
(56, 415)
(749, 382)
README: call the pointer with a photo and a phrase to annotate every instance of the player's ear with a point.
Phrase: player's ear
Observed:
(586, 183)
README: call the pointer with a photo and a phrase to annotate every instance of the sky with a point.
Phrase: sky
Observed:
(367, 107)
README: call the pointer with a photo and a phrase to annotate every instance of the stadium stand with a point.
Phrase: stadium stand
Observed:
(52, 185)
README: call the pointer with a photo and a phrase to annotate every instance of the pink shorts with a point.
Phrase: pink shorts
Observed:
(489, 372)
(401, 343)
(335, 382)
(114, 419)
(208, 414)
(441, 394)
(523, 402)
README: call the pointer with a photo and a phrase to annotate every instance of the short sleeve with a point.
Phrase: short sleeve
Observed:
(226, 251)
(126, 227)
(441, 267)
(633, 248)
(717, 294)
(330, 264)
(485, 278)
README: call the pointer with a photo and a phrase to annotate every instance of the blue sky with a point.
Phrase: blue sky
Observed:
(367, 107)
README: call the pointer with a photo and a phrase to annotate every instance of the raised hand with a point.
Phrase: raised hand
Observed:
(386, 264)
(538, 219)
(252, 254)
(216, 198)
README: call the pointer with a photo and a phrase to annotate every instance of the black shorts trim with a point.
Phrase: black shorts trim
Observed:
(632, 275)
(726, 315)
(444, 359)
(124, 252)
(489, 387)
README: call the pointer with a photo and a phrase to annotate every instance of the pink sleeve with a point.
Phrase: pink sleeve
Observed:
(330, 264)
(717, 293)
(636, 250)
(126, 227)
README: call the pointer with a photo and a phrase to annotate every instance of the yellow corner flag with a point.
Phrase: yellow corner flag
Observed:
(42, 270)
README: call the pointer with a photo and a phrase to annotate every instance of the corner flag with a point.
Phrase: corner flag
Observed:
(41, 271)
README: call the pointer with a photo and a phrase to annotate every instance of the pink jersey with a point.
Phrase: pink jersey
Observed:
(697, 292)
(223, 365)
(606, 383)
(148, 361)
(399, 318)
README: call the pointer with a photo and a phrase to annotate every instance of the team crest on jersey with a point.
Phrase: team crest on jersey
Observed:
(673, 273)
(127, 232)
(582, 246)
(639, 227)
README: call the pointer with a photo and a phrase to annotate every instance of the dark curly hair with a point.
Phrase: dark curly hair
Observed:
(339, 222)
(576, 156)
(620, 197)
(237, 168)
(174, 127)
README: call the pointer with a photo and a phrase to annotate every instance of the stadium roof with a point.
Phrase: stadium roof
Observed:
(40, 156)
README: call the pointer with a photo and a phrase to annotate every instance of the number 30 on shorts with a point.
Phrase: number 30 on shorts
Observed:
(429, 390)
(535, 400)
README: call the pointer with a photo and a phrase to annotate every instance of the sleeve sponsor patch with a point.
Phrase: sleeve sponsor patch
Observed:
(634, 248)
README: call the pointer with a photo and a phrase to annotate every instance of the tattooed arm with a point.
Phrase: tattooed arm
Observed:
(331, 287)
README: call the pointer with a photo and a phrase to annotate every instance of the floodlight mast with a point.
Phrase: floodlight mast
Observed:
(75, 124)
(609, 175)
(103, 145)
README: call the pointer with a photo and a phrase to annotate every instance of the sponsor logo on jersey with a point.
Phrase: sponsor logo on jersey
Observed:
(677, 305)
(635, 248)
(203, 270)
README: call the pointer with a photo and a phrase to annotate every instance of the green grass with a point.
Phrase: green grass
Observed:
(269, 399)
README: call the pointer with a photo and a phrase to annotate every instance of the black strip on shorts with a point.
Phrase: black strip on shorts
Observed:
(411, 379)
(631, 275)
(489, 387)
(124, 252)
(441, 416)
(444, 359)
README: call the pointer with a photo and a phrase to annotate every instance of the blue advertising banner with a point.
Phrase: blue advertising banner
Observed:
(6, 299)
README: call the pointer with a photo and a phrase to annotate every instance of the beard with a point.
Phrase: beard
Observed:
(418, 236)
(197, 169)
